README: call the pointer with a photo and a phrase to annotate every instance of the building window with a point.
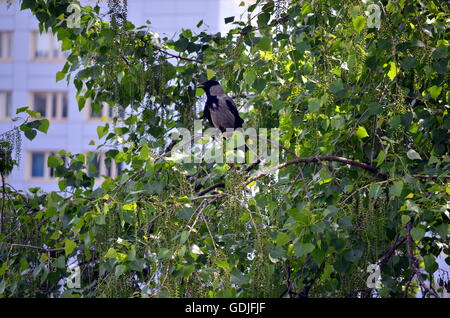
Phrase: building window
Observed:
(5, 45)
(45, 46)
(38, 165)
(99, 166)
(105, 113)
(6, 110)
(52, 105)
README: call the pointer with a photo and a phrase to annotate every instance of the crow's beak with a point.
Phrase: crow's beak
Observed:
(201, 85)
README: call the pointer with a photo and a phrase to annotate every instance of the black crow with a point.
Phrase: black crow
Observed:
(220, 110)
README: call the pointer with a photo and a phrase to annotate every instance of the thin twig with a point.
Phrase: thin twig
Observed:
(176, 56)
(47, 250)
(414, 263)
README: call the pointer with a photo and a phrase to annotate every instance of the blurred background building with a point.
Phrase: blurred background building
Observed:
(29, 62)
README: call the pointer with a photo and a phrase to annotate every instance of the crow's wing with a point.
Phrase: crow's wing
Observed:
(232, 107)
(207, 114)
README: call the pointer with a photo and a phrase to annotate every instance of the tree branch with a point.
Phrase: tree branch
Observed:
(390, 251)
(414, 263)
(318, 159)
(176, 56)
(47, 250)
(210, 188)
(297, 160)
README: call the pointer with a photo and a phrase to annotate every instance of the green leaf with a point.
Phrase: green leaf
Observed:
(405, 219)
(353, 255)
(21, 109)
(259, 85)
(120, 269)
(313, 105)
(361, 132)
(250, 77)
(396, 189)
(238, 278)
(282, 238)
(66, 44)
(413, 155)
(60, 262)
(181, 44)
(3, 268)
(264, 44)
(374, 109)
(183, 270)
(164, 253)
(374, 190)
(435, 91)
(229, 20)
(130, 206)
(433, 160)
(210, 73)
(144, 154)
(69, 246)
(185, 213)
(307, 8)
(30, 134)
(60, 76)
(81, 102)
(184, 237)
(346, 222)
(442, 230)
(111, 253)
(53, 161)
(393, 70)
(417, 233)
(380, 158)
(359, 22)
(430, 263)
(102, 130)
(43, 125)
(337, 86)
(440, 53)
(301, 249)
(263, 19)
(408, 63)
(331, 210)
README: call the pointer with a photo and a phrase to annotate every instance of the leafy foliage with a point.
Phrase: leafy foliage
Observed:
(336, 86)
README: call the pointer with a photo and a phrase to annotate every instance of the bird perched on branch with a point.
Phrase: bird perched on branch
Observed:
(220, 110)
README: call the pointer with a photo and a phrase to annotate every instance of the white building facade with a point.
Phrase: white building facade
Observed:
(29, 62)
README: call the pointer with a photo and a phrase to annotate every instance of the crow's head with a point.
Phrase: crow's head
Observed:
(207, 85)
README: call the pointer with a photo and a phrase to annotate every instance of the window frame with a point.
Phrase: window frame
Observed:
(47, 170)
(52, 39)
(102, 173)
(4, 97)
(7, 45)
(104, 116)
(49, 104)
